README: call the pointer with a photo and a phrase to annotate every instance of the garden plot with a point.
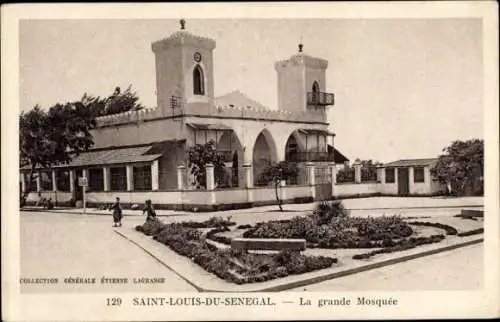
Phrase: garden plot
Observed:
(333, 239)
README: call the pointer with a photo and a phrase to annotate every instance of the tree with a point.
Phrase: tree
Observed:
(199, 156)
(118, 102)
(47, 138)
(277, 172)
(461, 166)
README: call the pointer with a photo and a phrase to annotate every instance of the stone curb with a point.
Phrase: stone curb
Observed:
(318, 279)
(188, 213)
(321, 278)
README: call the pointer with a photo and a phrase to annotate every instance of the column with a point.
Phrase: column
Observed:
(248, 173)
(54, 182)
(22, 176)
(85, 174)
(106, 178)
(210, 180)
(130, 177)
(357, 171)
(180, 177)
(381, 175)
(333, 172)
(71, 181)
(411, 180)
(154, 175)
(248, 180)
(38, 182)
(311, 180)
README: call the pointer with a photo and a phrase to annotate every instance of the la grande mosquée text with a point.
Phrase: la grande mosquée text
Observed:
(146, 301)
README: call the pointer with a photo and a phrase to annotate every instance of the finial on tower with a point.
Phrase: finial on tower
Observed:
(183, 24)
(300, 47)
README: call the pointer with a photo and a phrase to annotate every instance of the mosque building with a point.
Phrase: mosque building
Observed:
(139, 155)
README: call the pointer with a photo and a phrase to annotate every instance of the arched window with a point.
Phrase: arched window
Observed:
(198, 81)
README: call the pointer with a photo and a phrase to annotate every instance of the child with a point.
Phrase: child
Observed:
(151, 215)
(117, 213)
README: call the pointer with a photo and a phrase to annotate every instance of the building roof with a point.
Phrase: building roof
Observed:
(216, 127)
(411, 163)
(119, 155)
(237, 99)
(337, 156)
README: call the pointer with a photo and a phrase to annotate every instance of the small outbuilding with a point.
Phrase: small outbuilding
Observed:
(409, 177)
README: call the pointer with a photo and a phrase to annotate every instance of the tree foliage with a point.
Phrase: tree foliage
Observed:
(277, 172)
(199, 156)
(55, 136)
(118, 102)
(461, 167)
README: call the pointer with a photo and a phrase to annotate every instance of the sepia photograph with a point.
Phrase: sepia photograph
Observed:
(240, 158)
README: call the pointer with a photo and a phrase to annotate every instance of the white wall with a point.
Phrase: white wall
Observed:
(61, 196)
(157, 197)
(355, 188)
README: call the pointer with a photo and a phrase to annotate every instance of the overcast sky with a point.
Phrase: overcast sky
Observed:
(404, 88)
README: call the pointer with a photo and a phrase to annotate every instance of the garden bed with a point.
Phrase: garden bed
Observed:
(231, 265)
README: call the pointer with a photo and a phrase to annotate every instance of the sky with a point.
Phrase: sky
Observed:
(404, 88)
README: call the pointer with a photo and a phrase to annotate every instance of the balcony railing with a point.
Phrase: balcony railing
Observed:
(308, 156)
(320, 98)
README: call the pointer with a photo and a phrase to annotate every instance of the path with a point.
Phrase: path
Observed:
(460, 269)
(67, 245)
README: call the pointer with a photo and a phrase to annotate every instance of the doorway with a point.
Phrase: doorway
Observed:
(403, 182)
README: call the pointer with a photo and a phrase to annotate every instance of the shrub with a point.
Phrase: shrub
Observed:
(246, 226)
(340, 232)
(449, 230)
(210, 223)
(471, 232)
(237, 266)
(325, 211)
(402, 245)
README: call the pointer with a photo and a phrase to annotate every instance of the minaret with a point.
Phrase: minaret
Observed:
(184, 68)
(302, 82)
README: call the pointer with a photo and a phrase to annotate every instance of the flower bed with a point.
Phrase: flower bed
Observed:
(449, 230)
(213, 222)
(231, 265)
(212, 235)
(471, 232)
(339, 232)
(404, 244)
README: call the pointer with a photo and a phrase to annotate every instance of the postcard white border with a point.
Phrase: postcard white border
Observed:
(91, 307)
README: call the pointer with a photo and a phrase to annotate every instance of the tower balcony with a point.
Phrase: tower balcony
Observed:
(320, 99)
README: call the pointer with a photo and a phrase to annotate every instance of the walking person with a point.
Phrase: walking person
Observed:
(148, 209)
(117, 213)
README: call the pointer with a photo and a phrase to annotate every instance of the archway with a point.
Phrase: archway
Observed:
(264, 153)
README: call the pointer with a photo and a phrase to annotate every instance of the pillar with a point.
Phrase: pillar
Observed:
(72, 180)
(333, 172)
(381, 175)
(248, 180)
(357, 171)
(154, 175)
(248, 173)
(411, 180)
(180, 177)
(38, 182)
(210, 179)
(106, 178)
(310, 174)
(311, 180)
(85, 174)
(130, 177)
(22, 176)
(54, 182)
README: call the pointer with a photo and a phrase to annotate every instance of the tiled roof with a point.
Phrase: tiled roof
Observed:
(239, 100)
(111, 156)
(411, 163)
